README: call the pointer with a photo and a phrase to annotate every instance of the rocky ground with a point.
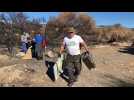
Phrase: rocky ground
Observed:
(114, 68)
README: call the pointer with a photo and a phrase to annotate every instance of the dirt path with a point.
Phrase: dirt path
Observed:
(115, 67)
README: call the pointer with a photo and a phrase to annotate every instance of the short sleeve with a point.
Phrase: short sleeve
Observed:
(81, 40)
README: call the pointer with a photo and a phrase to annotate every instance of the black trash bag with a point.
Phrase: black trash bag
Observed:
(88, 60)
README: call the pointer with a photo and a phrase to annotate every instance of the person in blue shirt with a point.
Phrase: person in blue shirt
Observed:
(38, 39)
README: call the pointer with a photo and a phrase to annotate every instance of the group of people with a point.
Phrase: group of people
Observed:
(36, 43)
(72, 43)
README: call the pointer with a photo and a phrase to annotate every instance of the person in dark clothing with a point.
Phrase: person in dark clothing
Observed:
(72, 43)
(33, 49)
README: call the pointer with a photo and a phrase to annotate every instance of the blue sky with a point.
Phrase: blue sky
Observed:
(101, 18)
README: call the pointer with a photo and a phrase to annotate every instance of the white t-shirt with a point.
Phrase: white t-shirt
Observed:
(24, 38)
(73, 44)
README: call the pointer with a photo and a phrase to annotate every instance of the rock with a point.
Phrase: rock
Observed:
(29, 70)
(25, 70)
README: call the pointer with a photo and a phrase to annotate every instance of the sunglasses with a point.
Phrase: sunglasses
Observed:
(70, 32)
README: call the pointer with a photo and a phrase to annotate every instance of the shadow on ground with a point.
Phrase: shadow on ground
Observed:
(117, 82)
(129, 50)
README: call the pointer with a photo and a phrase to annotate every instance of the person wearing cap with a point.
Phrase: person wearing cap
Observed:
(72, 43)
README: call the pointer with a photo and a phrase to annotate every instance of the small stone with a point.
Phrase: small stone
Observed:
(122, 64)
(26, 70)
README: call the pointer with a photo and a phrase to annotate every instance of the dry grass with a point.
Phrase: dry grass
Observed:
(115, 34)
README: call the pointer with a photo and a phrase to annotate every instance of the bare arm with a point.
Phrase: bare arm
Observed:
(85, 46)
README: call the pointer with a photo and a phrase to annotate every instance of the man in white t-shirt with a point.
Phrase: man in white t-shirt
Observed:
(72, 43)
